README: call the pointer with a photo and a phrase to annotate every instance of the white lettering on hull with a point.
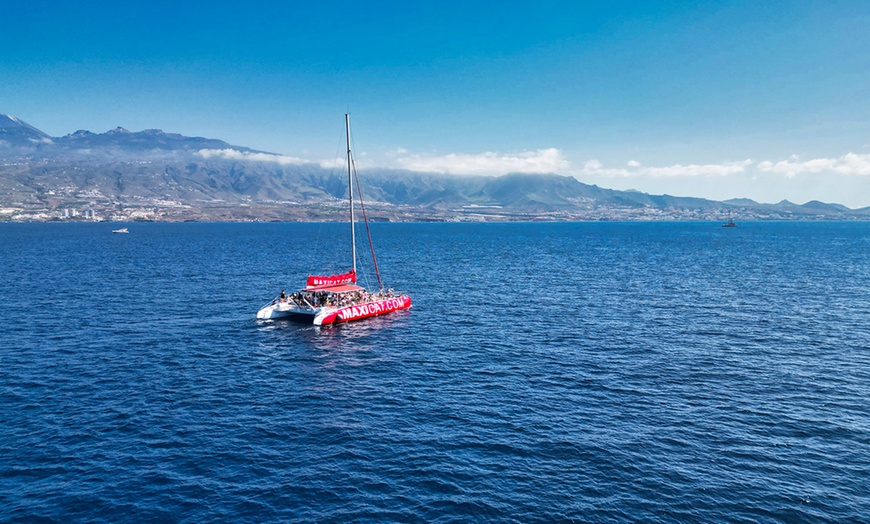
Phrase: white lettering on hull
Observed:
(370, 309)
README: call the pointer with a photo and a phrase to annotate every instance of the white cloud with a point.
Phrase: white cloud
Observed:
(848, 164)
(489, 163)
(593, 165)
(636, 169)
(333, 163)
(729, 168)
(841, 179)
(232, 154)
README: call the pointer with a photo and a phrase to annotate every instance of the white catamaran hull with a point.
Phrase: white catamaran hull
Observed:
(280, 310)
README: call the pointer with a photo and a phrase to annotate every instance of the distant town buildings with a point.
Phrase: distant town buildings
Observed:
(163, 210)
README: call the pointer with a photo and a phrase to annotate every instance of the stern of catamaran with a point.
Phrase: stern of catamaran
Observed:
(286, 308)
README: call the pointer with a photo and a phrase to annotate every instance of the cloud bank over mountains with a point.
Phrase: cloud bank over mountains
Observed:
(552, 160)
(635, 169)
(844, 179)
(849, 164)
(251, 156)
(549, 160)
(837, 179)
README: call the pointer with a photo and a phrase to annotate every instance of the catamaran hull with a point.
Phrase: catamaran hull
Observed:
(324, 316)
(360, 311)
(276, 311)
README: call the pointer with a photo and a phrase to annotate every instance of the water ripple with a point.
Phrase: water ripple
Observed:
(547, 372)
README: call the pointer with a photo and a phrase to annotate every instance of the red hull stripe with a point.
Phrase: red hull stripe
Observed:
(369, 309)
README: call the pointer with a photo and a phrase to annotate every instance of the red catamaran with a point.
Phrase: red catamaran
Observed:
(337, 298)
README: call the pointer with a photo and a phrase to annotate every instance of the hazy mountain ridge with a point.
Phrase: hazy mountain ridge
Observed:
(120, 166)
(19, 139)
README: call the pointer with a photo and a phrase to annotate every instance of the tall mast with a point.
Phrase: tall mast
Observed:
(350, 191)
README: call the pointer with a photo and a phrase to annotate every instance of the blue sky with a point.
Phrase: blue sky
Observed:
(766, 100)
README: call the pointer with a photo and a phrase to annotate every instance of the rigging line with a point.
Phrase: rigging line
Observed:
(366, 220)
(364, 275)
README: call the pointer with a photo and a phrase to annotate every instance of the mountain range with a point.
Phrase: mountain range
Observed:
(121, 170)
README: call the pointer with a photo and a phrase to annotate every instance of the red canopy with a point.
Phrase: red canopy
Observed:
(315, 281)
(344, 288)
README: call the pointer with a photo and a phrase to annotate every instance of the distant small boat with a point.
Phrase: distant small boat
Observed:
(122, 230)
(730, 223)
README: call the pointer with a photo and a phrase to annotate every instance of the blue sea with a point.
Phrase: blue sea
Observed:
(558, 372)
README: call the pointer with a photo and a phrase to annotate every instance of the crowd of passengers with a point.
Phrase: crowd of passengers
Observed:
(323, 298)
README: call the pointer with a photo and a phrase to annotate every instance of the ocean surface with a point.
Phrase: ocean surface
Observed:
(585, 372)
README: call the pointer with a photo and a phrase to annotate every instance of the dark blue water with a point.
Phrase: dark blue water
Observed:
(547, 372)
